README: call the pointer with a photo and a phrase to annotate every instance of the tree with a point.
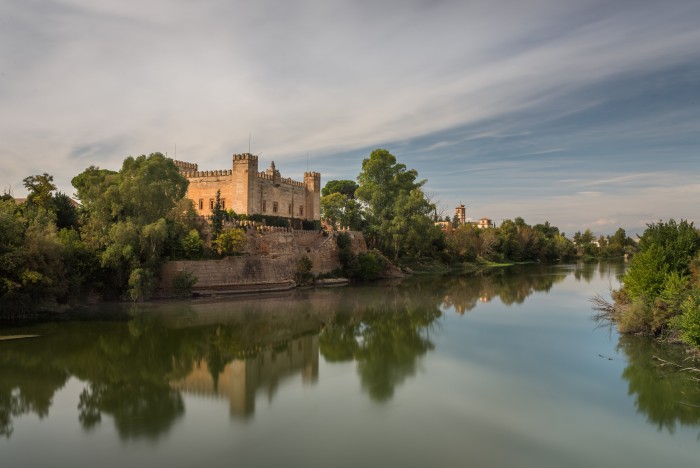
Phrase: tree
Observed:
(397, 211)
(133, 219)
(340, 210)
(217, 216)
(345, 187)
(40, 189)
(230, 241)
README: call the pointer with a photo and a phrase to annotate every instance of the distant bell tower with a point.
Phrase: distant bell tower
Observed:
(461, 214)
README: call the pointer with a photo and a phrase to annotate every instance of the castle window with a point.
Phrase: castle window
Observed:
(211, 204)
(223, 204)
(201, 204)
(274, 207)
(264, 206)
(290, 209)
(301, 211)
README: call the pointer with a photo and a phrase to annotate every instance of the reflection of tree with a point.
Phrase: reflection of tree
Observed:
(511, 285)
(25, 390)
(385, 339)
(139, 409)
(586, 270)
(667, 397)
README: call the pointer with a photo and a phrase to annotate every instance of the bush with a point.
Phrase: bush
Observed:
(635, 318)
(303, 273)
(230, 241)
(183, 283)
(192, 245)
(371, 265)
(141, 284)
(689, 321)
(646, 274)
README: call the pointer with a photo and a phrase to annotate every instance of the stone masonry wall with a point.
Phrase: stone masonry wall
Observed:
(271, 259)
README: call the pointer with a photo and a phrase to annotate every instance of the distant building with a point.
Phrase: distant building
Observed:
(247, 191)
(485, 223)
(444, 225)
(461, 214)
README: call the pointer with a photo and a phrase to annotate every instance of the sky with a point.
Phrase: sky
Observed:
(582, 113)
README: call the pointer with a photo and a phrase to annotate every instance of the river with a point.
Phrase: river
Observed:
(500, 369)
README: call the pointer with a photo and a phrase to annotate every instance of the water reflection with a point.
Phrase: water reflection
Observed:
(139, 367)
(666, 396)
(510, 285)
(239, 380)
(386, 342)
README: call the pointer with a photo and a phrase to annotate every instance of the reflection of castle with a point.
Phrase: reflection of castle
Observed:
(240, 379)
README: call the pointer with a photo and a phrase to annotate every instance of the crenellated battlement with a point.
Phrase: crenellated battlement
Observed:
(245, 157)
(185, 166)
(200, 174)
(312, 174)
(283, 180)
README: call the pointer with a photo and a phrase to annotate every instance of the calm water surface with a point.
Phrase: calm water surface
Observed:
(504, 369)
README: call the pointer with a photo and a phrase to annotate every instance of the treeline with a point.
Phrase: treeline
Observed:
(398, 219)
(660, 295)
(54, 251)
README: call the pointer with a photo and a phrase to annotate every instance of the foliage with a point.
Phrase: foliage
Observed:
(303, 273)
(677, 243)
(141, 284)
(231, 241)
(513, 240)
(192, 245)
(688, 322)
(134, 219)
(217, 216)
(397, 212)
(364, 266)
(343, 187)
(340, 210)
(40, 189)
(660, 291)
(183, 283)
(645, 276)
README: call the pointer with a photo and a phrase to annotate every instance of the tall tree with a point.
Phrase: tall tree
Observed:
(40, 189)
(128, 217)
(397, 210)
(345, 187)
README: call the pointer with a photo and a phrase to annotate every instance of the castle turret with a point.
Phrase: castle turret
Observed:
(312, 181)
(245, 171)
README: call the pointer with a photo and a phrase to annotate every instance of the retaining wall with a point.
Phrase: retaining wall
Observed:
(271, 261)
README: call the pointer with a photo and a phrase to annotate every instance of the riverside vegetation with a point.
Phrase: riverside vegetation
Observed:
(660, 295)
(55, 253)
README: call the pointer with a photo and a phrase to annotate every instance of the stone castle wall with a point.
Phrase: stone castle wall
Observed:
(271, 260)
(247, 191)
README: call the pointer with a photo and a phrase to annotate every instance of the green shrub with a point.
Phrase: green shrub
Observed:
(371, 265)
(689, 321)
(303, 273)
(645, 276)
(183, 283)
(230, 241)
(192, 245)
(635, 318)
(141, 284)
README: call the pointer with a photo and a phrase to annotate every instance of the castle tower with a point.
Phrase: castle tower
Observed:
(461, 214)
(245, 172)
(312, 181)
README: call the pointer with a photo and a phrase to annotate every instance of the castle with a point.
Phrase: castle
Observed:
(247, 191)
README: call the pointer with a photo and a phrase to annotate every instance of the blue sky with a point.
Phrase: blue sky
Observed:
(583, 113)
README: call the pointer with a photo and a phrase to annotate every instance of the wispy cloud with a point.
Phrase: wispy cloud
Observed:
(525, 100)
